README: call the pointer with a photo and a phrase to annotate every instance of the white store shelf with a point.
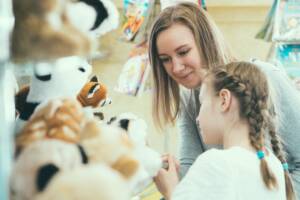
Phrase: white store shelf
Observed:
(7, 90)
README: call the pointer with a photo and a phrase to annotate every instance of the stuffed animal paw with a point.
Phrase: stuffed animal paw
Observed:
(59, 118)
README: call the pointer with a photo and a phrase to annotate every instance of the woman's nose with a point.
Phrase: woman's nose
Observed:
(178, 67)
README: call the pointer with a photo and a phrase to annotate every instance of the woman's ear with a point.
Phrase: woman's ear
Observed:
(225, 99)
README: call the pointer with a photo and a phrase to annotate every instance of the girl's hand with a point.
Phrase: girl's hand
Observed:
(167, 179)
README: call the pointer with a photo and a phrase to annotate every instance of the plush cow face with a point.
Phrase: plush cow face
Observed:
(65, 77)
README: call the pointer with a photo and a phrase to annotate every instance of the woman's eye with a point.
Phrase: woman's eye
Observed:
(164, 60)
(183, 53)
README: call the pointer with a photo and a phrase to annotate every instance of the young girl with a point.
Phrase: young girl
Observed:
(236, 112)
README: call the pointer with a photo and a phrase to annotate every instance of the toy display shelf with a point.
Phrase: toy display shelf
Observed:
(7, 116)
(286, 38)
(7, 107)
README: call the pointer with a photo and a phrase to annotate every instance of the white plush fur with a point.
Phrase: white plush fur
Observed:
(66, 79)
(112, 22)
(82, 16)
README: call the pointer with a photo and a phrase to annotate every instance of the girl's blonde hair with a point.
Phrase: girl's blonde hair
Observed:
(249, 85)
(211, 46)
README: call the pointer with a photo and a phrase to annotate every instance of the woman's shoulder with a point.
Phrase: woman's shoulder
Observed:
(188, 94)
(189, 101)
(267, 67)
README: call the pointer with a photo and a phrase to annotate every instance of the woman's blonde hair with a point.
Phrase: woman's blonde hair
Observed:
(207, 36)
(250, 86)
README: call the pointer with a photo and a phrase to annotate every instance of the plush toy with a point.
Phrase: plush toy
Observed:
(47, 30)
(106, 144)
(99, 144)
(101, 16)
(59, 118)
(49, 81)
(63, 78)
(43, 31)
(94, 95)
(39, 162)
(87, 183)
(136, 130)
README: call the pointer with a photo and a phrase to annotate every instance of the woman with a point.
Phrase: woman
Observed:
(184, 43)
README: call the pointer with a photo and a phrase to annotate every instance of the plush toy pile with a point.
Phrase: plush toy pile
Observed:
(63, 152)
(60, 145)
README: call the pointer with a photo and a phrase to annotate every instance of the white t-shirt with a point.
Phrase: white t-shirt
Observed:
(232, 174)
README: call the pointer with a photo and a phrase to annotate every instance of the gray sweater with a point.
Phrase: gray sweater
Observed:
(288, 104)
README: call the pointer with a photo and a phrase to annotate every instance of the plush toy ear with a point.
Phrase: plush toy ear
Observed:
(102, 13)
(20, 98)
(126, 165)
(94, 79)
(44, 175)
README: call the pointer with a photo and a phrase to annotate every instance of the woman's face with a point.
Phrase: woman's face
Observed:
(180, 56)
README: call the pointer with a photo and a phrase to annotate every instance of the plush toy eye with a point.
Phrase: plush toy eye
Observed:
(81, 69)
(44, 77)
(93, 90)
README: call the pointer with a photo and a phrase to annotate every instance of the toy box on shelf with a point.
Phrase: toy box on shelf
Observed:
(287, 37)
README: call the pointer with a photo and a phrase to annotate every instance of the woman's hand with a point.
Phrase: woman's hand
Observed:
(167, 179)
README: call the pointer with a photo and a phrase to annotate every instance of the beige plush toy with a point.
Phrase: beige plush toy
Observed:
(43, 31)
(105, 144)
(43, 159)
(39, 162)
(50, 29)
(92, 182)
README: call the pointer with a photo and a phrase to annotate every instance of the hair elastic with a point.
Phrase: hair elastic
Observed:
(260, 154)
(285, 166)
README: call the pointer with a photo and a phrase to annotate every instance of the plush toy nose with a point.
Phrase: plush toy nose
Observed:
(124, 124)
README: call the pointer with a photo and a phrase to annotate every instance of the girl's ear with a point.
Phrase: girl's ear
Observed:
(225, 99)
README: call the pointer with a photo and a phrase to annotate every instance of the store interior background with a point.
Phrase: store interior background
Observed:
(239, 20)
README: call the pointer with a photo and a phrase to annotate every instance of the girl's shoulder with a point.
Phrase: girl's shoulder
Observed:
(227, 157)
(213, 157)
